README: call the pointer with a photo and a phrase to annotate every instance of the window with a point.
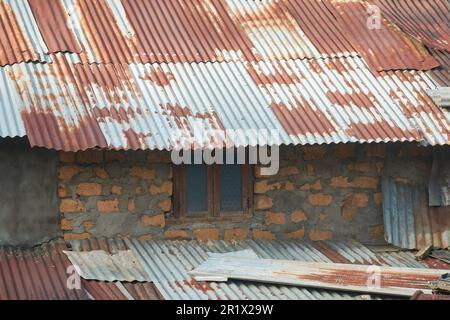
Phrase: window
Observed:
(212, 190)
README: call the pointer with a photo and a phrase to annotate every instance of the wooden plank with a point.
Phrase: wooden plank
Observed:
(424, 252)
(347, 277)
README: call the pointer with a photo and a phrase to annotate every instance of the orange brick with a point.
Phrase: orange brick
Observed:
(165, 205)
(154, 221)
(89, 189)
(320, 199)
(90, 156)
(206, 234)
(298, 216)
(378, 198)
(344, 151)
(263, 235)
(363, 167)
(365, 182)
(288, 171)
(235, 234)
(339, 182)
(263, 202)
(108, 205)
(70, 205)
(312, 186)
(77, 236)
(264, 186)
(377, 231)
(66, 157)
(165, 187)
(289, 186)
(114, 155)
(320, 235)
(145, 237)
(131, 205)
(101, 173)
(297, 234)
(66, 224)
(116, 189)
(68, 172)
(143, 173)
(175, 234)
(275, 218)
(62, 191)
(313, 152)
(351, 204)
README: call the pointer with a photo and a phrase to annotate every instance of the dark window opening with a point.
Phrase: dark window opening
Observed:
(212, 190)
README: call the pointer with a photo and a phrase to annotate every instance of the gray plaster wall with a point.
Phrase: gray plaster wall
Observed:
(28, 196)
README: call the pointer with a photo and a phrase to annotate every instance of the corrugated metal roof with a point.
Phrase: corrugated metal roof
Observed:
(213, 66)
(77, 106)
(427, 21)
(383, 47)
(42, 273)
(168, 263)
(20, 39)
(442, 74)
(408, 220)
(35, 274)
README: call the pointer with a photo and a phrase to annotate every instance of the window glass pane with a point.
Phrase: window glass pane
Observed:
(196, 191)
(230, 188)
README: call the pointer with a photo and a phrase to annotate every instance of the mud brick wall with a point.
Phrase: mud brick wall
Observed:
(319, 193)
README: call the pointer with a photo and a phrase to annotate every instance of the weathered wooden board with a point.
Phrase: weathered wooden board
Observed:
(348, 277)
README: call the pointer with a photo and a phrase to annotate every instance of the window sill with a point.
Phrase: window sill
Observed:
(209, 219)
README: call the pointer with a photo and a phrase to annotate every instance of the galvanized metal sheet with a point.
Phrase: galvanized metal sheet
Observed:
(102, 266)
(408, 220)
(20, 39)
(158, 106)
(169, 262)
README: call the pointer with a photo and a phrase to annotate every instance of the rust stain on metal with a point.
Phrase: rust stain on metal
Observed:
(384, 48)
(185, 31)
(427, 21)
(36, 274)
(53, 22)
(15, 46)
(100, 26)
(157, 76)
(360, 278)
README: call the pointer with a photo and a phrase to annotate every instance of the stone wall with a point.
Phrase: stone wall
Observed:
(319, 193)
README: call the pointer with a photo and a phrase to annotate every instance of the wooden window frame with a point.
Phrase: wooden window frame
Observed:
(213, 194)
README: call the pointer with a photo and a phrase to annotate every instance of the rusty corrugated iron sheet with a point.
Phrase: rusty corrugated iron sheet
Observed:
(138, 106)
(20, 39)
(161, 72)
(42, 273)
(384, 47)
(101, 290)
(408, 220)
(441, 74)
(168, 262)
(427, 21)
(35, 274)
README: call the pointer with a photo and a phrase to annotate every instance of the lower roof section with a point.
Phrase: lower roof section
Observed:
(168, 264)
(70, 106)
